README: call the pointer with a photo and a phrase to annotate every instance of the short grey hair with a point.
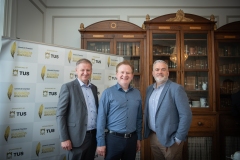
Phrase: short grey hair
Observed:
(160, 61)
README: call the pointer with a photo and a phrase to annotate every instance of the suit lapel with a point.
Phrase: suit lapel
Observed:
(164, 91)
(78, 91)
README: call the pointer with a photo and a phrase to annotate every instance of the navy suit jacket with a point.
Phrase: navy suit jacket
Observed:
(173, 114)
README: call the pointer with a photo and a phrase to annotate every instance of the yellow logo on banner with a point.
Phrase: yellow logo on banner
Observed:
(9, 155)
(42, 131)
(69, 56)
(45, 93)
(47, 55)
(40, 111)
(10, 90)
(43, 72)
(15, 72)
(108, 61)
(38, 148)
(6, 134)
(13, 49)
(12, 114)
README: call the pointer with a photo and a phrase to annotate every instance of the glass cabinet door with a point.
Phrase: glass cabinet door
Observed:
(131, 51)
(195, 60)
(99, 46)
(164, 48)
(229, 72)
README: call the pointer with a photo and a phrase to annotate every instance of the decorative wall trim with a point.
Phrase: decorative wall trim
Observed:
(135, 6)
(55, 17)
(43, 21)
(232, 16)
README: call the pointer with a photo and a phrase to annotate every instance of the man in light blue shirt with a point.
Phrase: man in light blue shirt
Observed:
(77, 114)
(167, 115)
(120, 112)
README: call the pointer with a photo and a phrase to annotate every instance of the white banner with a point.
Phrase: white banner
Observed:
(31, 77)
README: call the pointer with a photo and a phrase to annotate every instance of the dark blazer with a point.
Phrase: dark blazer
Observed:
(173, 115)
(72, 112)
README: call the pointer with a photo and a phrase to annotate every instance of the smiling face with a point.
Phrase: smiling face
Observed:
(160, 72)
(84, 71)
(124, 75)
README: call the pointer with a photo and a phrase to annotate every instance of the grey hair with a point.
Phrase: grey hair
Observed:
(83, 60)
(160, 61)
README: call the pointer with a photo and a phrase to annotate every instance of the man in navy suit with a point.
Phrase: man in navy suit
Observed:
(77, 114)
(167, 115)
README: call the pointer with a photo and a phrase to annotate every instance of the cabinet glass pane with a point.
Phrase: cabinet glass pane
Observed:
(99, 46)
(229, 71)
(128, 48)
(232, 144)
(196, 69)
(162, 49)
(200, 148)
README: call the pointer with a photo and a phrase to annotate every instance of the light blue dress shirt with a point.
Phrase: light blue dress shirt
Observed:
(119, 111)
(153, 104)
(91, 106)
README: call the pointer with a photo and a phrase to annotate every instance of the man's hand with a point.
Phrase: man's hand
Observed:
(138, 145)
(66, 145)
(101, 150)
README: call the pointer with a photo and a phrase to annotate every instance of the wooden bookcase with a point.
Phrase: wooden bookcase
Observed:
(185, 42)
(227, 70)
(119, 38)
(197, 54)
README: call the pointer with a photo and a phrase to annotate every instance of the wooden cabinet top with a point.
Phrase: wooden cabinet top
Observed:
(111, 26)
(181, 18)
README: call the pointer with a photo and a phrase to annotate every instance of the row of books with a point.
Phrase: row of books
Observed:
(100, 48)
(136, 82)
(225, 102)
(171, 64)
(230, 68)
(194, 82)
(229, 51)
(200, 148)
(229, 87)
(135, 64)
(196, 64)
(128, 49)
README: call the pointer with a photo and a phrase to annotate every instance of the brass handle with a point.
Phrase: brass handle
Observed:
(200, 123)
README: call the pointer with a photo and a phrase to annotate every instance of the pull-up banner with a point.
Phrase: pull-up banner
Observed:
(31, 75)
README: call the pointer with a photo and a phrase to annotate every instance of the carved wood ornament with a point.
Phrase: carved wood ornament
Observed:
(180, 17)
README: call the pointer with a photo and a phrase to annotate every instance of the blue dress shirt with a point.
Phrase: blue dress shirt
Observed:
(91, 106)
(119, 111)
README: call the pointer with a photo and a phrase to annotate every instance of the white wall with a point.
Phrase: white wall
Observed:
(58, 21)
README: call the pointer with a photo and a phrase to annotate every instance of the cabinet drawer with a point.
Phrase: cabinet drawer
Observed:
(203, 123)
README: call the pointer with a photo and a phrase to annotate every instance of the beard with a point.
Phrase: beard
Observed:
(160, 79)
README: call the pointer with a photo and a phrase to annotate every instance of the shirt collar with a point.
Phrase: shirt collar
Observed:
(119, 87)
(161, 85)
(83, 84)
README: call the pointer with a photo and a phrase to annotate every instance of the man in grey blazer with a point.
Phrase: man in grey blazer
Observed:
(77, 113)
(167, 115)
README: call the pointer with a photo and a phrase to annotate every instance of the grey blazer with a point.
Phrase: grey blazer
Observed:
(72, 112)
(173, 115)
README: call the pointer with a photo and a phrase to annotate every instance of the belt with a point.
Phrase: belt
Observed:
(91, 131)
(124, 135)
